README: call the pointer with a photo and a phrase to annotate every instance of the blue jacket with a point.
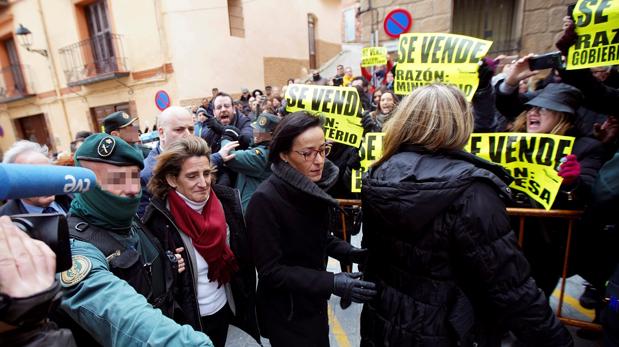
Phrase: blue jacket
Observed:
(114, 314)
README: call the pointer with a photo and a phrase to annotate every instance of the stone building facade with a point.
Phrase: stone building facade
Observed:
(516, 26)
(89, 58)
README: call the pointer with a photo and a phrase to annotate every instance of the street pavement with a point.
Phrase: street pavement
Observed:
(344, 324)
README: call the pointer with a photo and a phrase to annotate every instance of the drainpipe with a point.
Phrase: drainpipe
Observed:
(54, 71)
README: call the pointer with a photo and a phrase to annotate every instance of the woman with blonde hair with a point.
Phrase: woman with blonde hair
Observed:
(440, 245)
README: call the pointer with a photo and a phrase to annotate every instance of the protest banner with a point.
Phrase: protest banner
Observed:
(341, 107)
(373, 56)
(426, 58)
(597, 26)
(371, 149)
(531, 159)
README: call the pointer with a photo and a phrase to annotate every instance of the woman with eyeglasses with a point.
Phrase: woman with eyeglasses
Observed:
(288, 226)
(553, 110)
(203, 222)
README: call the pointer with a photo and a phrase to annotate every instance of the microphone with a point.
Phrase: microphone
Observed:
(19, 181)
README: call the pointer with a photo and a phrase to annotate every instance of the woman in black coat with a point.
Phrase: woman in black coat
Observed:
(441, 249)
(203, 221)
(288, 221)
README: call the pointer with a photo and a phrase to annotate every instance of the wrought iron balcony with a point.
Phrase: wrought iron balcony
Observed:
(96, 59)
(13, 84)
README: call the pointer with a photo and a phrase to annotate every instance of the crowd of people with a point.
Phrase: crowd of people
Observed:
(230, 218)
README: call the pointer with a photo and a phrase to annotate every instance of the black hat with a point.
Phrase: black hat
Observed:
(558, 97)
(266, 122)
(117, 120)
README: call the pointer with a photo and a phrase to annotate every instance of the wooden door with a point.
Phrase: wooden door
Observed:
(34, 128)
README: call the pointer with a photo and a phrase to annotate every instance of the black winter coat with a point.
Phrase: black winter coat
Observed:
(161, 223)
(444, 257)
(287, 220)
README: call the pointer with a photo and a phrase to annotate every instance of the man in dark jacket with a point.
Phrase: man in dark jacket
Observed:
(27, 152)
(228, 122)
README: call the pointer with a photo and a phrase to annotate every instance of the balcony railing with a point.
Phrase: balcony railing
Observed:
(96, 59)
(13, 84)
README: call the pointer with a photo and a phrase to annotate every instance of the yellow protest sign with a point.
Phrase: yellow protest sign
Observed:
(341, 107)
(531, 159)
(597, 26)
(426, 58)
(373, 56)
(371, 149)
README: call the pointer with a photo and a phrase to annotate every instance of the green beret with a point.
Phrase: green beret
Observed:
(117, 120)
(109, 149)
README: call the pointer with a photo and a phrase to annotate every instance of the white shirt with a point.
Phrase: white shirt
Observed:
(211, 296)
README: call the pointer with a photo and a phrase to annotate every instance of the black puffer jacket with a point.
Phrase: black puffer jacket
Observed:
(445, 258)
(243, 283)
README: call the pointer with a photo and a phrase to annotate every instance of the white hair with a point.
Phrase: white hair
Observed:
(21, 147)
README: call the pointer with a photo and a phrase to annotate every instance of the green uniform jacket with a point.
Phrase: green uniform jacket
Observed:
(113, 313)
(252, 168)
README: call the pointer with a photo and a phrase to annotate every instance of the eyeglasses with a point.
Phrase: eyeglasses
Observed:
(310, 153)
(541, 110)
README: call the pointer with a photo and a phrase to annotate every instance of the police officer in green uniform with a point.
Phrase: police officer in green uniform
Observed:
(121, 124)
(251, 164)
(119, 287)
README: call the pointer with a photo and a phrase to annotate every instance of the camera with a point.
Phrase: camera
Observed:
(546, 61)
(338, 81)
(52, 229)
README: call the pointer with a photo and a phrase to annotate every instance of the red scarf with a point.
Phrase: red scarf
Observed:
(208, 234)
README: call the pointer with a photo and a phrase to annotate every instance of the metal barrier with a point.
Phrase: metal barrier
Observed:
(522, 214)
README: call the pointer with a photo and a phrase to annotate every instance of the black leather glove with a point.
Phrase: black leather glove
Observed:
(354, 161)
(213, 124)
(230, 132)
(348, 286)
(368, 123)
(358, 255)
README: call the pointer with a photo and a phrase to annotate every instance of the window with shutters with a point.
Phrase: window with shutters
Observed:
(235, 17)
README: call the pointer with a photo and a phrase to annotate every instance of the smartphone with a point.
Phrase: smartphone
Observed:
(570, 10)
(546, 61)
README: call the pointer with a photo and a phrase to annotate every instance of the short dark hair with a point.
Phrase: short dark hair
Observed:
(223, 94)
(287, 130)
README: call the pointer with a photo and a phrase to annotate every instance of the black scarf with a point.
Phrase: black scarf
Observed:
(297, 180)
